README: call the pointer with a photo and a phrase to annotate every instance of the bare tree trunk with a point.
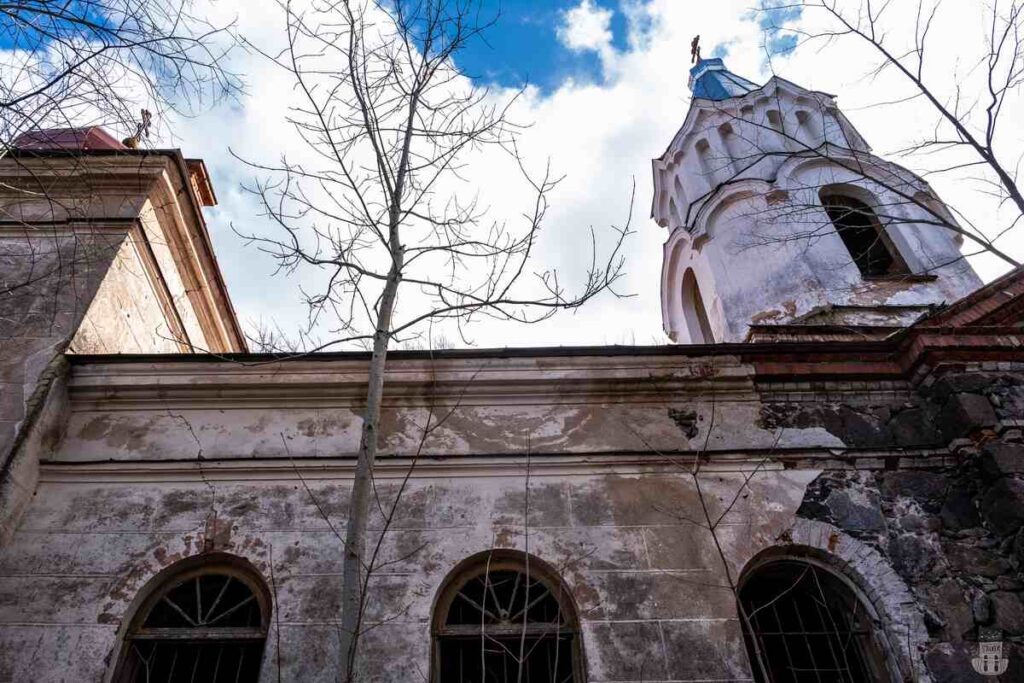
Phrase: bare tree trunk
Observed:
(359, 504)
(391, 129)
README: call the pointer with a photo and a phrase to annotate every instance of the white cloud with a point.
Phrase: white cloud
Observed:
(602, 136)
(586, 27)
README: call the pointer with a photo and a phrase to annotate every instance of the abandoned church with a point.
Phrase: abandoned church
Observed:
(820, 479)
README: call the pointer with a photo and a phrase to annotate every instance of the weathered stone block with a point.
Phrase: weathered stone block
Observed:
(967, 382)
(1003, 506)
(913, 427)
(52, 653)
(1009, 612)
(380, 658)
(309, 652)
(856, 510)
(1012, 399)
(686, 547)
(625, 651)
(947, 601)
(855, 427)
(981, 607)
(705, 650)
(964, 413)
(912, 556)
(951, 663)
(628, 596)
(1002, 459)
(959, 511)
(548, 505)
(970, 560)
(927, 488)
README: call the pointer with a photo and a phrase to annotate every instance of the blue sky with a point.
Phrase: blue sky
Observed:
(34, 27)
(523, 46)
(611, 92)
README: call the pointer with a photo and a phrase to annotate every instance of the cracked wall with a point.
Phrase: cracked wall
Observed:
(217, 461)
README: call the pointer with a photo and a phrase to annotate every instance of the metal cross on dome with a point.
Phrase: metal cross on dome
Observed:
(695, 49)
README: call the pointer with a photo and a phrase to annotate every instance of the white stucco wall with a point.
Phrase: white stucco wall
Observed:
(739, 191)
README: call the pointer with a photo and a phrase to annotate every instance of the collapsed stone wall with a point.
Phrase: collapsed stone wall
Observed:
(953, 532)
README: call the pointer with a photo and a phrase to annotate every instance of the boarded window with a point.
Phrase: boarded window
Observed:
(808, 625)
(864, 237)
(202, 626)
(502, 621)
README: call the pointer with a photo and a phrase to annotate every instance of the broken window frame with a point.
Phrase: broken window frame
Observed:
(534, 570)
(253, 637)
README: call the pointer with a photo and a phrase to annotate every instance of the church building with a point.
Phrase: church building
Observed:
(820, 479)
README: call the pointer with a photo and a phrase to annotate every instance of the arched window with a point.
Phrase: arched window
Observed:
(694, 313)
(808, 625)
(707, 171)
(807, 123)
(505, 617)
(863, 235)
(208, 623)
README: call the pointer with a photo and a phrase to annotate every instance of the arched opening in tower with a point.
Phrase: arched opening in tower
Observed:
(864, 237)
(694, 313)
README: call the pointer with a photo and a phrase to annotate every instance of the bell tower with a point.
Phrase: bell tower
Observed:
(781, 222)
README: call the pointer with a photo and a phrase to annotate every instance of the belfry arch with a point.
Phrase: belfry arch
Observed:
(694, 311)
(800, 244)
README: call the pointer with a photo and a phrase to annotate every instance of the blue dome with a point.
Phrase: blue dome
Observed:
(710, 80)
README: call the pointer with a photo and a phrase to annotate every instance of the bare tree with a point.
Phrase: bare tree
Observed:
(969, 125)
(390, 125)
(969, 132)
(98, 62)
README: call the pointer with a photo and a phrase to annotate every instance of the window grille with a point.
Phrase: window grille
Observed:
(809, 625)
(202, 627)
(499, 624)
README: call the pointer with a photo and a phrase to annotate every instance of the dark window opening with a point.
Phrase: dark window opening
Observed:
(808, 625)
(545, 660)
(504, 625)
(864, 237)
(202, 628)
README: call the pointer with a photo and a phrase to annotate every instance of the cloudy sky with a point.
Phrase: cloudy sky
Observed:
(606, 91)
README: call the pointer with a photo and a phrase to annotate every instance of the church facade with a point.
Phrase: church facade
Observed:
(823, 479)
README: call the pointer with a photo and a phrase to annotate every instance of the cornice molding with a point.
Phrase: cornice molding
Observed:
(734, 372)
(12, 229)
(490, 466)
(119, 183)
(467, 381)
